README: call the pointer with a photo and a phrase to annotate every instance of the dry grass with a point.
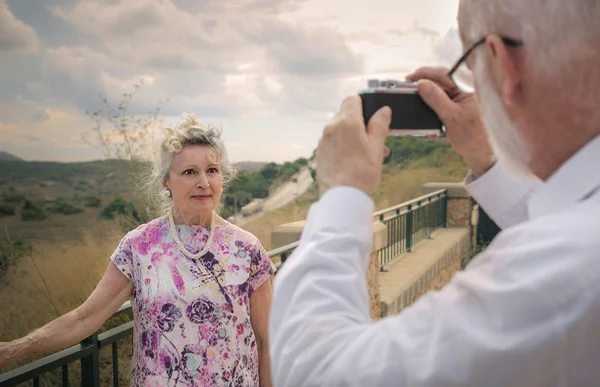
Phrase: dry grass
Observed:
(401, 185)
(57, 277)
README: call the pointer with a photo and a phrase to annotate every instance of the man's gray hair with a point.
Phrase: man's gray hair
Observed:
(189, 132)
(557, 33)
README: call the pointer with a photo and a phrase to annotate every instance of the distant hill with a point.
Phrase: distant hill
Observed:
(7, 156)
(250, 166)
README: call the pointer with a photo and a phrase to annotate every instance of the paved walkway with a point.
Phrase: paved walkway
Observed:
(409, 268)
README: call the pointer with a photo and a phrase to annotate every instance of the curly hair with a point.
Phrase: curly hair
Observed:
(189, 132)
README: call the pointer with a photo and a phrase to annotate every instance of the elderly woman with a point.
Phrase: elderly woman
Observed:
(200, 286)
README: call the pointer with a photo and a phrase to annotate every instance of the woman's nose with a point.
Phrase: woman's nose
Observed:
(202, 181)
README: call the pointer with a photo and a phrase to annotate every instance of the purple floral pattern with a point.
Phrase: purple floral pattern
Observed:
(191, 317)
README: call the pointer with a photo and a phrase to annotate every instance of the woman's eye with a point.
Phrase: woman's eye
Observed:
(213, 170)
(188, 172)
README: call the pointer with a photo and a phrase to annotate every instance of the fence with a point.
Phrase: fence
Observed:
(407, 224)
(411, 222)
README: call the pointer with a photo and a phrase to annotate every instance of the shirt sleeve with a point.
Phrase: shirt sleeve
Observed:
(483, 328)
(261, 267)
(122, 257)
(503, 198)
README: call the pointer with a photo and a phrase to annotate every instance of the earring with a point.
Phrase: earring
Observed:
(168, 193)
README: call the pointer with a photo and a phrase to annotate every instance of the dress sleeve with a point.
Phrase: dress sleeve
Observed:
(122, 257)
(261, 267)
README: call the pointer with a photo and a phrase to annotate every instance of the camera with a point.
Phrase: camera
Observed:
(410, 114)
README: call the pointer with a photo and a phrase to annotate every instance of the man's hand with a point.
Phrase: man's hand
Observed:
(460, 114)
(350, 154)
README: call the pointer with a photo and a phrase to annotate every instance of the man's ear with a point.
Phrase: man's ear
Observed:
(503, 66)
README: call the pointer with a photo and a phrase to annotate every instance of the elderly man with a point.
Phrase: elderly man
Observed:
(526, 312)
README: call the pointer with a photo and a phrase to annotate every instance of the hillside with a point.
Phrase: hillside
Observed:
(9, 157)
(250, 166)
(43, 200)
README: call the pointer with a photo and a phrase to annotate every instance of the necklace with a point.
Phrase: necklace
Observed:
(180, 244)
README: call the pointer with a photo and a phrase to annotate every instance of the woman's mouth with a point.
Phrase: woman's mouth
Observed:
(201, 197)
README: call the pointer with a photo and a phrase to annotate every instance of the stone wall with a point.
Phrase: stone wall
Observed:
(458, 212)
(374, 288)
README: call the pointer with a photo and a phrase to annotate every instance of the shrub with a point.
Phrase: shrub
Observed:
(32, 211)
(7, 209)
(61, 206)
(13, 198)
(119, 206)
(92, 201)
(9, 253)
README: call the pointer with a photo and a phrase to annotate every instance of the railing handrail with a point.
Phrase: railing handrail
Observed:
(283, 249)
(410, 202)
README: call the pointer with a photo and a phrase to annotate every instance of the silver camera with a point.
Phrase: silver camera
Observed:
(410, 114)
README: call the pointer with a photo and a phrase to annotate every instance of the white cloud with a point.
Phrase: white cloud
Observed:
(15, 36)
(272, 72)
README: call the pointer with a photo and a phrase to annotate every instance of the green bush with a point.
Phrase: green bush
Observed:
(301, 162)
(122, 207)
(13, 198)
(92, 201)
(9, 253)
(61, 206)
(32, 212)
(7, 209)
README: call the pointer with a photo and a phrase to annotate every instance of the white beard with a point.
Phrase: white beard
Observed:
(508, 145)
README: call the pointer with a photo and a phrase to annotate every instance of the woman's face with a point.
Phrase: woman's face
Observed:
(195, 180)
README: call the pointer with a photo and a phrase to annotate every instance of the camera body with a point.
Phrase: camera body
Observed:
(410, 114)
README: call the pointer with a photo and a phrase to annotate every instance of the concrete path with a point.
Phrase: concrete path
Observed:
(408, 269)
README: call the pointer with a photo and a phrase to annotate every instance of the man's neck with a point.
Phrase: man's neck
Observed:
(553, 153)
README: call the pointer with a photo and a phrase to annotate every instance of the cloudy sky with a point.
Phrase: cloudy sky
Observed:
(269, 72)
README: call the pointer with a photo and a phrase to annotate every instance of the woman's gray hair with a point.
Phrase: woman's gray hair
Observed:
(189, 132)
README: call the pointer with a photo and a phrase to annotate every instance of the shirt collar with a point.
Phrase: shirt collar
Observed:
(575, 180)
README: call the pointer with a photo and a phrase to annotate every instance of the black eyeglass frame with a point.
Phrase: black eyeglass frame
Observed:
(506, 40)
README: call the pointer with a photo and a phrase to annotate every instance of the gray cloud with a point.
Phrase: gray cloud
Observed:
(191, 56)
(15, 36)
(18, 109)
(31, 138)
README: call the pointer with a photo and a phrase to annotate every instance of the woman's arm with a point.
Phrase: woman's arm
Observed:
(112, 291)
(260, 305)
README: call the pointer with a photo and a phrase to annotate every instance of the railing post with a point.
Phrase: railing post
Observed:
(429, 216)
(90, 366)
(444, 222)
(409, 227)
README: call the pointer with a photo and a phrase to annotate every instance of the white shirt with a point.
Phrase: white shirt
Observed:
(525, 312)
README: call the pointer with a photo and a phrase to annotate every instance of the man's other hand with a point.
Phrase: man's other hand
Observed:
(350, 154)
(460, 114)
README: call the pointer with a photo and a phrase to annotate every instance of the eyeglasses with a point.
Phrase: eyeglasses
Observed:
(506, 40)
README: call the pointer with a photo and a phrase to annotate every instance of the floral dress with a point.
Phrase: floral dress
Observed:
(192, 317)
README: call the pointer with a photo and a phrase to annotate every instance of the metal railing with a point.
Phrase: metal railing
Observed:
(407, 224)
(411, 222)
(88, 350)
